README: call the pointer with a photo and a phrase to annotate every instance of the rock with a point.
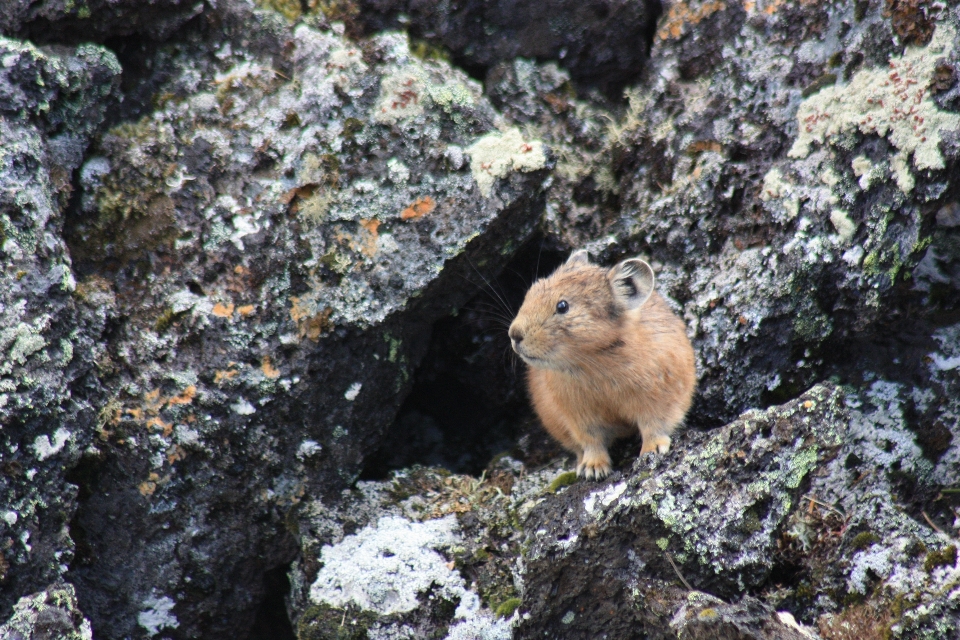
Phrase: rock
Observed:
(425, 553)
(703, 617)
(279, 234)
(608, 559)
(60, 20)
(780, 225)
(50, 329)
(603, 43)
(48, 615)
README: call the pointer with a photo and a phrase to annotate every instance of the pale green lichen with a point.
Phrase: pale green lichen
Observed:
(893, 102)
(401, 94)
(846, 228)
(496, 154)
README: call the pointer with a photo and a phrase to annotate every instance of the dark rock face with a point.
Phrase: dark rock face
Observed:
(214, 300)
(66, 20)
(603, 43)
(50, 329)
(780, 223)
(279, 235)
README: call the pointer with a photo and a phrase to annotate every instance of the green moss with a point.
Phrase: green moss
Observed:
(323, 622)
(506, 609)
(289, 9)
(428, 51)
(946, 557)
(166, 319)
(863, 540)
(563, 480)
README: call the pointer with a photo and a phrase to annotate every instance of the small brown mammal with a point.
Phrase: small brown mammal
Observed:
(606, 356)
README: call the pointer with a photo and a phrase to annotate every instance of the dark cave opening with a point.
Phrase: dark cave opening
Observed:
(272, 621)
(468, 402)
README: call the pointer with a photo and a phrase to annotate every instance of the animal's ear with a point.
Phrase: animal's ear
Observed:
(632, 281)
(579, 258)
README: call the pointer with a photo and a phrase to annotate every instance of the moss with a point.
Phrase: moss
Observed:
(506, 609)
(166, 319)
(428, 51)
(863, 540)
(563, 480)
(323, 622)
(289, 9)
(946, 557)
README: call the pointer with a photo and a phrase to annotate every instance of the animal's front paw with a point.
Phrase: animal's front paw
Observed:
(660, 444)
(594, 466)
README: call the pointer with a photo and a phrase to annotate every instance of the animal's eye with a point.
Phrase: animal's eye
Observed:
(562, 306)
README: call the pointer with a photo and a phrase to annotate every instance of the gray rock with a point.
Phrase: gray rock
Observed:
(59, 20)
(50, 329)
(776, 237)
(51, 614)
(279, 234)
(603, 43)
(608, 559)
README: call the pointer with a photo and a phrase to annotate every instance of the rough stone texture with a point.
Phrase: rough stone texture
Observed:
(412, 517)
(50, 330)
(279, 235)
(72, 20)
(51, 614)
(769, 167)
(603, 43)
(600, 562)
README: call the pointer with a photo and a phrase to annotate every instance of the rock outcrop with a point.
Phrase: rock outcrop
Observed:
(223, 263)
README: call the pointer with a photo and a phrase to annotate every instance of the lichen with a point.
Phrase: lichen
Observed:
(892, 102)
(495, 155)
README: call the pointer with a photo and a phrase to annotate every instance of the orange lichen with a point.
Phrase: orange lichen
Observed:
(266, 366)
(175, 453)
(184, 398)
(420, 207)
(225, 374)
(158, 424)
(369, 246)
(246, 310)
(682, 14)
(311, 324)
(223, 310)
(147, 487)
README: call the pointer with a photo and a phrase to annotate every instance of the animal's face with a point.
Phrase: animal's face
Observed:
(570, 318)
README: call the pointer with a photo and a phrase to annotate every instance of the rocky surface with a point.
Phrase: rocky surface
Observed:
(603, 43)
(67, 20)
(51, 613)
(53, 101)
(771, 171)
(216, 295)
(278, 235)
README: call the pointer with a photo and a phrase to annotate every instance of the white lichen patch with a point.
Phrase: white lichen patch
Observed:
(496, 154)
(866, 171)
(605, 498)
(43, 447)
(893, 102)
(157, 615)
(384, 568)
(354, 390)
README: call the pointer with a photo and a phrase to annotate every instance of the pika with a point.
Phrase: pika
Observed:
(606, 356)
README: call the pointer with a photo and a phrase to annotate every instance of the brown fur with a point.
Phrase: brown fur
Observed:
(616, 361)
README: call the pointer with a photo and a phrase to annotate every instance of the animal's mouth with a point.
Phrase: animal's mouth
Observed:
(531, 360)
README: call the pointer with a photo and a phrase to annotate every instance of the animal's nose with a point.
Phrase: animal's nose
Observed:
(516, 335)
